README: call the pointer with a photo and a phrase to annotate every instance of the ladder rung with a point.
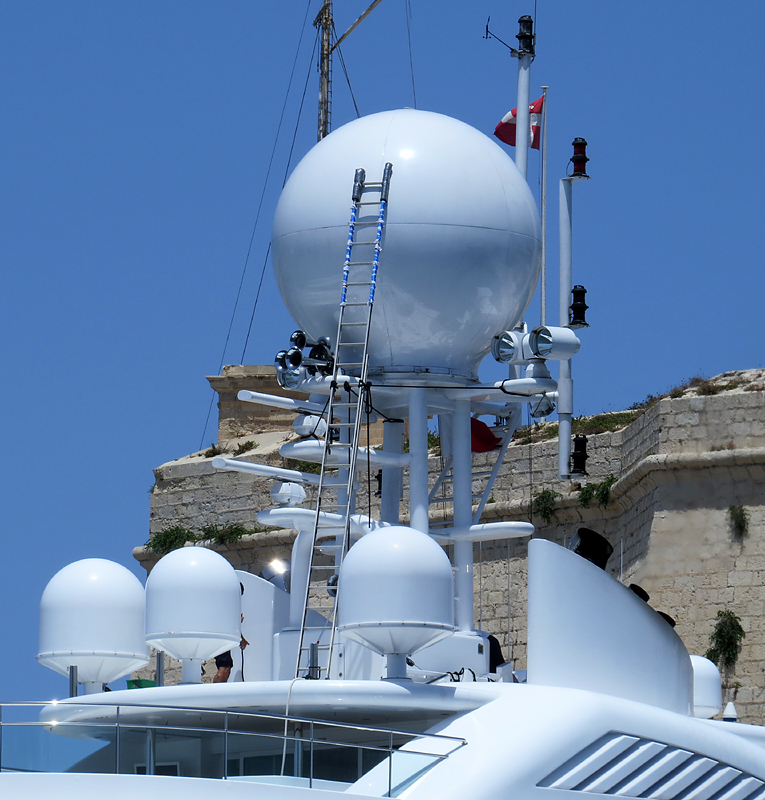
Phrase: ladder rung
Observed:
(350, 344)
(353, 244)
(360, 264)
(356, 304)
(482, 474)
(364, 224)
(342, 425)
(477, 496)
(358, 283)
(369, 203)
(344, 324)
(349, 363)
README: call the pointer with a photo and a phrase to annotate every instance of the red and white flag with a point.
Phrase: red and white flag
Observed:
(505, 131)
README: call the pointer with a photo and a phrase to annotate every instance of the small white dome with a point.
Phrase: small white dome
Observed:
(92, 617)
(193, 604)
(396, 591)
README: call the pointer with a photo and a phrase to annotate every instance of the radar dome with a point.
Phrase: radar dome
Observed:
(92, 618)
(395, 593)
(461, 246)
(193, 604)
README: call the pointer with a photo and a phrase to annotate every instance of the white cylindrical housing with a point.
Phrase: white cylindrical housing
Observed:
(193, 604)
(395, 591)
(707, 688)
(92, 617)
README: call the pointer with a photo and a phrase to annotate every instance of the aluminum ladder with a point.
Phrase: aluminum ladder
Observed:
(344, 413)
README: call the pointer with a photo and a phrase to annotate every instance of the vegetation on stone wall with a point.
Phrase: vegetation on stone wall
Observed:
(177, 536)
(543, 504)
(725, 640)
(738, 520)
(245, 447)
(600, 492)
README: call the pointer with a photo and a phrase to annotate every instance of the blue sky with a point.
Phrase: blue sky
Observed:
(135, 139)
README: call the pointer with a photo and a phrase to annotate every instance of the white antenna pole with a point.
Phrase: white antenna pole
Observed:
(543, 316)
(565, 382)
(525, 55)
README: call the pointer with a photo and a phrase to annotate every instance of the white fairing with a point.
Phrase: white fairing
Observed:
(461, 247)
(587, 631)
(396, 592)
(92, 617)
(193, 604)
(707, 688)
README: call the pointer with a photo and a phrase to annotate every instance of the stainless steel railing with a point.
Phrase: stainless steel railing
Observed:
(213, 743)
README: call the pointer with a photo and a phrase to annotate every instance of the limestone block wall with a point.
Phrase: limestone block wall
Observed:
(680, 466)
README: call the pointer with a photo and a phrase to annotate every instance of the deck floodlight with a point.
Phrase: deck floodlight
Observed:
(507, 347)
(579, 456)
(577, 308)
(290, 378)
(558, 344)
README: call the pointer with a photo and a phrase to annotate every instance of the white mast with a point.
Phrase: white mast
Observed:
(525, 54)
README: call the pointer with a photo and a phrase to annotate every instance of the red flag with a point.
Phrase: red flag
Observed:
(505, 131)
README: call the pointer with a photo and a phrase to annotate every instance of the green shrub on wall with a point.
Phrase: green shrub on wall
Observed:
(725, 640)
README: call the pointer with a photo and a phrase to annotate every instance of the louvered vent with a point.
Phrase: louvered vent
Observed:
(628, 766)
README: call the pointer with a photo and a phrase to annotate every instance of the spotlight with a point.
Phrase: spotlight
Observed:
(558, 344)
(507, 347)
(290, 378)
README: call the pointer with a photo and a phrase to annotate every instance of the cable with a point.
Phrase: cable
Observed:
(408, 13)
(345, 72)
(284, 180)
(255, 224)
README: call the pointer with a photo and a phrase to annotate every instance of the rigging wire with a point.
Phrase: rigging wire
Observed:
(257, 218)
(345, 72)
(284, 180)
(408, 12)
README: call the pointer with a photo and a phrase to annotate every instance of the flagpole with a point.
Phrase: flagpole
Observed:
(543, 315)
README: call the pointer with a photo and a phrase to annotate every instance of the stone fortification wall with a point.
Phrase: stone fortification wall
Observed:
(679, 466)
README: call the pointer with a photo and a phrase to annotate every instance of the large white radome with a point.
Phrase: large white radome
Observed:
(92, 617)
(461, 248)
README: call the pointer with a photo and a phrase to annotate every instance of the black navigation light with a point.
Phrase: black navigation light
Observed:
(525, 36)
(577, 308)
(579, 159)
(592, 546)
(579, 456)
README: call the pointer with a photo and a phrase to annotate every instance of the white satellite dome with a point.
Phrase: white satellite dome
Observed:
(92, 618)
(395, 592)
(461, 247)
(193, 604)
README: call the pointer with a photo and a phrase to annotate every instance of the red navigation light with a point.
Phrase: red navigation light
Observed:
(579, 159)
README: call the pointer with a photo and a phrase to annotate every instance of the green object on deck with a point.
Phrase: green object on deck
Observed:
(140, 683)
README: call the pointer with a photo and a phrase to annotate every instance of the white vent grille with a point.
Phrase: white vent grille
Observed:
(628, 766)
